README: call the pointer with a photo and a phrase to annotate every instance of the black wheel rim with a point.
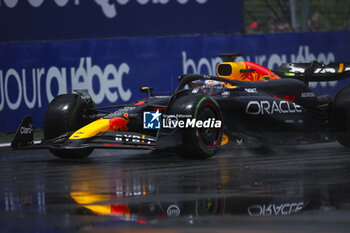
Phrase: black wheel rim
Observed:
(209, 136)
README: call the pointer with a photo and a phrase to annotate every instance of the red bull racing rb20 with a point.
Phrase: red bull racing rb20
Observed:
(244, 104)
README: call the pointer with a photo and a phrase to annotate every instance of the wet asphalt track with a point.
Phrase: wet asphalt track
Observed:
(304, 189)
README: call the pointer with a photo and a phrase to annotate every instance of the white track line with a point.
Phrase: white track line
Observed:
(5, 144)
(9, 144)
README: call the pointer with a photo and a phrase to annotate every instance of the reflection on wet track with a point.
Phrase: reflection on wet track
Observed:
(241, 189)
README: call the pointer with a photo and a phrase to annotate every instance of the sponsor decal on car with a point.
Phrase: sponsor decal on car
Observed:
(269, 108)
(251, 90)
(134, 138)
(307, 95)
(26, 130)
(124, 110)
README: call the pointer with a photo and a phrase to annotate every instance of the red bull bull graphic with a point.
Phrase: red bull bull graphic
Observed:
(287, 98)
(245, 71)
(119, 123)
(102, 125)
(261, 73)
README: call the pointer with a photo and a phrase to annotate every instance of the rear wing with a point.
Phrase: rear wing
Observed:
(314, 72)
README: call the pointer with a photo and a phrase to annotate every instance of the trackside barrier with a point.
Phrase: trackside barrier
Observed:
(37, 20)
(113, 70)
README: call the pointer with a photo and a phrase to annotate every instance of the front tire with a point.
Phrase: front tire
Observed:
(201, 142)
(64, 114)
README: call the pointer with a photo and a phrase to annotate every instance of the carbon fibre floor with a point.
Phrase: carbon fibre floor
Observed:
(305, 188)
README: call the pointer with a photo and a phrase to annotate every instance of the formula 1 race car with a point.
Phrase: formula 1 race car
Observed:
(245, 104)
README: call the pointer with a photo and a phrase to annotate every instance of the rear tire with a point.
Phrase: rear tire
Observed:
(63, 115)
(199, 143)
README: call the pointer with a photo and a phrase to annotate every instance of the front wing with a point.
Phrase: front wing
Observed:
(107, 140)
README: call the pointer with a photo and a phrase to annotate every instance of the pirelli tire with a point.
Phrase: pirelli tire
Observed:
(64, 114)
(340, 116)
(199, 143)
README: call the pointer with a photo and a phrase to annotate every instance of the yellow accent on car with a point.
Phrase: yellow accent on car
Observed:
(229, 86)
(341, 67)
(235, 70)
(224, 140)
(92, 129)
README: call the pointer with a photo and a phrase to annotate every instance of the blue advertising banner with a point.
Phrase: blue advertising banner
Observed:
(113, 70)
(29, 20)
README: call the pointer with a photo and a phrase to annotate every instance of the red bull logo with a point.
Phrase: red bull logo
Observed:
(287, 98)
(119, 123)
